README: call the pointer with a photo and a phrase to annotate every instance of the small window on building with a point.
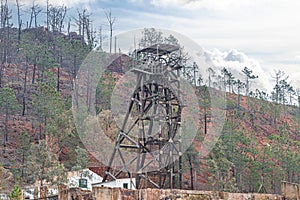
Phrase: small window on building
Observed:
(125, 185)
(83, 183)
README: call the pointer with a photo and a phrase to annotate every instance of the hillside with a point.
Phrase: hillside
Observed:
(258, 148)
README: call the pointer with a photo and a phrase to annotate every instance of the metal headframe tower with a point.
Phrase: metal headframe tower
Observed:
(151, 128)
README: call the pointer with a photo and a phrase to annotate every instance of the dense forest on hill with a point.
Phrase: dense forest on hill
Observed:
(260, 142)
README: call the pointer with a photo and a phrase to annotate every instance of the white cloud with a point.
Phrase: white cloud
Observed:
(236, 56)
(196, 4)
(135, 1)
(56, 2)
(235, 61)
(268, 30)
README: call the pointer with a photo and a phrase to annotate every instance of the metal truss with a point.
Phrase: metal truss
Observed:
(151, 129)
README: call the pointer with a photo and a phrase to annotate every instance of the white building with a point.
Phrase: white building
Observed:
(83, 179)
(127, 183)
(4, 196)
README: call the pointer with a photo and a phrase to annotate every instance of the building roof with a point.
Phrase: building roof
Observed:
(133, 179)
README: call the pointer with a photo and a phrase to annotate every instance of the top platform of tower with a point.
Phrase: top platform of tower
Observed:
(159, 49)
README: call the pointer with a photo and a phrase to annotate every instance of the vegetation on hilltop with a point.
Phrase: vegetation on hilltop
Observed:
(258, 148)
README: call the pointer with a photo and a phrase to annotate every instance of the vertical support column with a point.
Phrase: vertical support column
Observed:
(160, 155)
(141, 133)
(180, 156)
(179, 131)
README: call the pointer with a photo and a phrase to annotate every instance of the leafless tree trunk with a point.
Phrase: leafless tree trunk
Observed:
(6, 126)
(47, 14)
(25, 87)
(58, 72)
(8, 41)
(31, 18)
(56, 17)
(35, 11)
(5, 25)
(89, 32)
(2, 26)
(81, 22)
(100, 37)
(85, 28)
(83, 19)
(111, 21)
(19, 20)
(34, 70)
(278, 76)
(69, 27)
(191, 171)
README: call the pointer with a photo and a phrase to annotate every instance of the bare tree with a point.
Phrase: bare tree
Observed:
(5, 16)
(211, 73)
(24, 96)
(81, 22)
(56, 17)
(150, 37)
(111, 21)
(19, 20)
(85, 28)
(100, 36)
(90, 33)
(278, 77)
(35, 11)
(5, 13)
(47, 14)
(69, 27)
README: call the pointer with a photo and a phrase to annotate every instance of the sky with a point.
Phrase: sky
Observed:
(263, 35)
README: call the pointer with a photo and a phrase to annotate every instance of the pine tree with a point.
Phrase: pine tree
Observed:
(249, 76)
(82, 159)
(8, 106)
(220, 169)
(239, 85)
(43, 165)
(16, 194)
(24, 141)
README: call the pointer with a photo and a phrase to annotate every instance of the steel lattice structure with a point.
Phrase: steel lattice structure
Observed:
(151, 129)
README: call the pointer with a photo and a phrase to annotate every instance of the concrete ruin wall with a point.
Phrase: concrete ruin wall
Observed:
(290, 191)
(101, 193)
(76, 194)
(156, 194)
